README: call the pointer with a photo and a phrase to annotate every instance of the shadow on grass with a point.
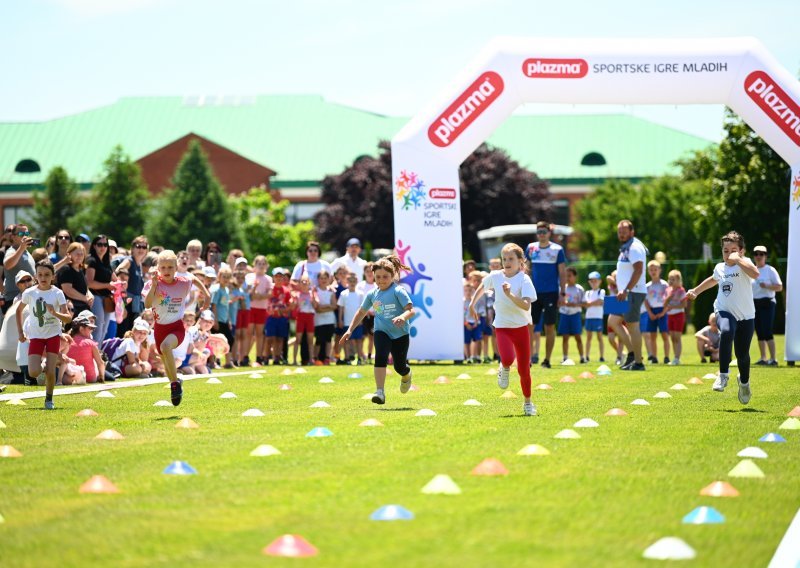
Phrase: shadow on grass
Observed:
(168, 418)
(736, 411)
(517, 416)
(403, 409)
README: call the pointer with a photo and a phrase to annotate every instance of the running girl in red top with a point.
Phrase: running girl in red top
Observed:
(166, 296)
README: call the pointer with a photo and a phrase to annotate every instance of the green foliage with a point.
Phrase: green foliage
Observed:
(263, 224)
(55, 206)
(747, 189)
(662, 211)
(196, 207)
(118, 204)
(780, 297)
(39, 311)
(704, 304)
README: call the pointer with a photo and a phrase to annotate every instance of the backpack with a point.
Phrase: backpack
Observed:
(109, 347)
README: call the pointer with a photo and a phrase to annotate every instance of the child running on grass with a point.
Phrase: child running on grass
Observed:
(514, 293)
(47, 311)
(393, 310)
(735, 311)
(166, 297)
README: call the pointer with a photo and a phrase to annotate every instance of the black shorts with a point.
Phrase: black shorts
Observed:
(547, 303)
(369, 324)
(324, 333)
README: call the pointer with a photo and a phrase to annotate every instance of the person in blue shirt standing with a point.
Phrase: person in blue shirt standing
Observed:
(548, 264)
(393, 310)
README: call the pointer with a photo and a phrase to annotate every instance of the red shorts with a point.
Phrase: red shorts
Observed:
(39, 346)
(258, 316)
(676, 322)
(304, 323)
(162, 331)
(243, 319)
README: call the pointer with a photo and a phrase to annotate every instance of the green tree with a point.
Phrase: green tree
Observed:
(55, 205)
(747, 189)
(662, 210)
(118, 204)
(263, 223)
(195, 207)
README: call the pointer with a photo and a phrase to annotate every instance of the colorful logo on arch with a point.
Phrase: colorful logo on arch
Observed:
(796, 191)
(410, 190)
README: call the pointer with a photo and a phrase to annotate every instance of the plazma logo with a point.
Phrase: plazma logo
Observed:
(796, 191)
(775, 102)
(410, 190)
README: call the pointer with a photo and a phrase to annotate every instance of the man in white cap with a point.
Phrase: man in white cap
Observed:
(351, 260)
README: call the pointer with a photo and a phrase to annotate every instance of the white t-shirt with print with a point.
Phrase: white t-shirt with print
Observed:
(734, 292)
(507, 313)
(636, 253)
(656, 293)
(44, 325)
(574, 295)
(324, 299)
(127, 344)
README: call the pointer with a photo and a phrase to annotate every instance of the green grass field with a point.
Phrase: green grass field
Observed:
(597, 501)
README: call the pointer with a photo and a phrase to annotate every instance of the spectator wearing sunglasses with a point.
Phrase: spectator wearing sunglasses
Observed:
(17, 258)
(99, 276)
(765, 287)
(134, 265)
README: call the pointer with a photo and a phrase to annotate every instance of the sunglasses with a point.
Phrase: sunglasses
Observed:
(542, 231)
(25, 281)
(24, 234)
(144, 247)
(63, 237)
(101, 244)
(759, 254)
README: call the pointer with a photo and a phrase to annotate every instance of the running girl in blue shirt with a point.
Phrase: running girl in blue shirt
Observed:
(393, 310)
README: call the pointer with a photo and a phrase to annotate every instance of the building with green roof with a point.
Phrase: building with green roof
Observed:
(299, 139)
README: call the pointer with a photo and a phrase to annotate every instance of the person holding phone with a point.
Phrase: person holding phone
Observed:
(17, 258)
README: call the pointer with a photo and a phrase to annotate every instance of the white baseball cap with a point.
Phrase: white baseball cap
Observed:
(207, 315)
(209, 271)
(140, 325)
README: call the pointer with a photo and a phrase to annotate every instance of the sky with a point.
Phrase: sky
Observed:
(61, 57)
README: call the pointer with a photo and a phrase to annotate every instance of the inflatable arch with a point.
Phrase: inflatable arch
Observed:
(427, 152)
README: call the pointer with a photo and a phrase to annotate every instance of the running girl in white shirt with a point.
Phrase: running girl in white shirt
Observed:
(735, 310)
(514, 293)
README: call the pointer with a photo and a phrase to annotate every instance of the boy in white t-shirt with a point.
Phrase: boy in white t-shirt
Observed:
(349, 302)
(593, 300)
(735, 311)
(654, 316)
(569, 320)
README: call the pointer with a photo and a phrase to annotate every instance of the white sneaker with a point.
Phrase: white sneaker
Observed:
(405, 383)
(50, 405)
(744, 390)
(529, 409)
(721, 382)
(379, 397)
(502, 377)
(675, 361)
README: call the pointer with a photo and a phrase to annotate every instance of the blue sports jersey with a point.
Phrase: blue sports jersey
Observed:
(387, 305)
(544, 266)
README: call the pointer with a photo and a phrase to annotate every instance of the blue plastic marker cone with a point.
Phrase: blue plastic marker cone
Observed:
(180, 468)
(319, 432)
(392, 513)
(704, 516)
(772, 437)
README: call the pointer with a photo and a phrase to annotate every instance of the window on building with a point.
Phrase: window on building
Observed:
(560, 211)
(16, 214)
(297, 212)
(27, 166)
(593, 159)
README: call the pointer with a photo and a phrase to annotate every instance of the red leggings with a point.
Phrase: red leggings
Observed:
(515, 342)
